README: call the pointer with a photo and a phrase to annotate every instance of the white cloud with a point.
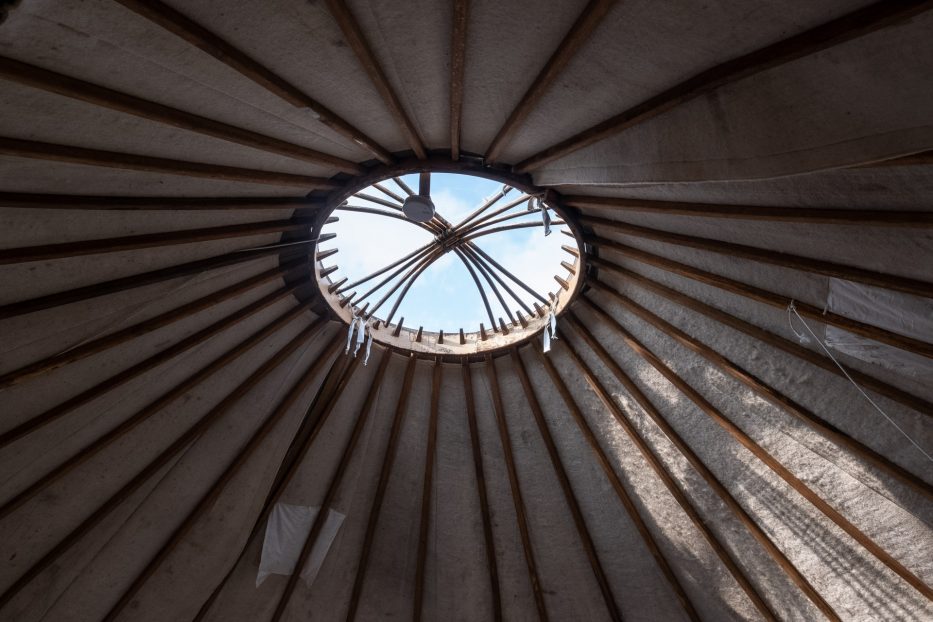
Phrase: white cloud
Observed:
(368, 242)
(451, 206)
(530, 256)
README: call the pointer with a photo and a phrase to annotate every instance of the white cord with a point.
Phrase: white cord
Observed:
(792, 308)
(282, 245)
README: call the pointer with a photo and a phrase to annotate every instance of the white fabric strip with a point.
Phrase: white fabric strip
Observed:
(901, 313)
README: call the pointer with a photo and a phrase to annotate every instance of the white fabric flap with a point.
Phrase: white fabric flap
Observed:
(901, 313)
(286, 533)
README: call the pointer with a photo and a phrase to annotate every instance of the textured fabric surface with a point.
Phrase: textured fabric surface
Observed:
(183, 539)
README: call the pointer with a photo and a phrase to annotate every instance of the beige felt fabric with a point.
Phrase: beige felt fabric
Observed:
(785, 137)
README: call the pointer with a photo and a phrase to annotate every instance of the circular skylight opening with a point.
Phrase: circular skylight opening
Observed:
(447, 263)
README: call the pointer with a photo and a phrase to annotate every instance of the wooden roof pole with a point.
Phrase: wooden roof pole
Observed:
(185, 439)
(392, 195)
(416, 254)
(67, 86)
(607, 465)
(35, 200)
(416, 271)
(427, 490)
(487, 267)
(920, 158)
(486, 223)
(859, 23)
(357, 42)
(524, 225)
(401, 184)
(908, 285)
(424, 184)
(334, 486)
(134, 162)
(151, 408)
(482, 208)
(319, 410)
(588, 20)
(515, 487)
(776, 397)
(47, 252)
(151, 362)
(101, 344)
(488, 540)
(379, 200)
(458, 39)
(479, 286)
(409, 265)
(579, 522)
(159, 275)
(812, 215)
(401, 409)
(774, 464)
(878, 386)
(483, 270)
(769, 298)
(499, 210)
(405, 283)
(672, 486)
(511, 276)
(436, 226)
(207, 500)
(208, 42)
(387, 214)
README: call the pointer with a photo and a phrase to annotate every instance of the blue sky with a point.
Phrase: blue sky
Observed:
(444, 296)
